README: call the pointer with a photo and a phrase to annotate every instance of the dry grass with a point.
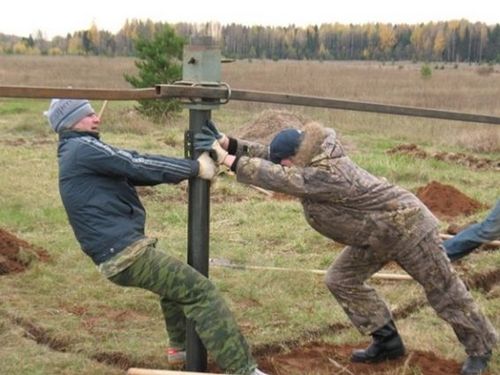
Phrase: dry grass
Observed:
(461, 89)
(457, 88)
(64, 71)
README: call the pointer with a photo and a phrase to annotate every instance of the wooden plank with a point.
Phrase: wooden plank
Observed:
(145, 371)
(379, 275)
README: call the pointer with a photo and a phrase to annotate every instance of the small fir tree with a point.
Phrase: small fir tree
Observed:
(159, 63)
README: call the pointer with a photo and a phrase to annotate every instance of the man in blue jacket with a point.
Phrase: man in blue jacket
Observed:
(97, 186)
(466, 241)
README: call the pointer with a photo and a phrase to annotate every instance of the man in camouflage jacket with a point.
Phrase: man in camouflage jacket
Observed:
(97, 186)
(376, 220)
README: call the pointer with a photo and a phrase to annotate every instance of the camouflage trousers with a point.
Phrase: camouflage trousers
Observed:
(428, 264)
(185, 293)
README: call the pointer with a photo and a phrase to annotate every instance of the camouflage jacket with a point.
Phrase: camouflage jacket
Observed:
(340, 200)
(126, 257)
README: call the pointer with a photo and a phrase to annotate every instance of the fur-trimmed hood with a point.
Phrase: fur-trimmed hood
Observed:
(318, 142)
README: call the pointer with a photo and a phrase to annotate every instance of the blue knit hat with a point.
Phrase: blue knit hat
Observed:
(64, 113)
(284, 145)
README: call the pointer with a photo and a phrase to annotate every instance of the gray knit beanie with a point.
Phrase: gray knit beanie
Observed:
(64, 113)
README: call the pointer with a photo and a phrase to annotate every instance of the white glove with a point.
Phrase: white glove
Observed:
(207, 167)
(223, 141)
(219, 151)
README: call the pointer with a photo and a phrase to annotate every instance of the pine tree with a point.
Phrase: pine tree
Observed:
(160, 63)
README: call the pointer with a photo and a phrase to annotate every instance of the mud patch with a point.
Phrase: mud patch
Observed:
(321, 358)
(41, 336)
(16, 254)
(445, 201)
(25, 142)
(402, 312)
(483, 281)
(469, 161)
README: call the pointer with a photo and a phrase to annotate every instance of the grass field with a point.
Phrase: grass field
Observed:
(62, 317)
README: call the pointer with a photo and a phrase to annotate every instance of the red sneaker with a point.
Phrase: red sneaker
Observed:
(176, 356)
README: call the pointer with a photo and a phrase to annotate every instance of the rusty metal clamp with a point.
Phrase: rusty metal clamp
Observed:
(228, 96)
(186, 83)
(206, 84)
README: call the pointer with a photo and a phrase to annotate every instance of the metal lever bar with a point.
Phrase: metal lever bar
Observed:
(222, 93)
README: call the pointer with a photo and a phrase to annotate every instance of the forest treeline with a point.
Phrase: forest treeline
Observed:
(449, 41)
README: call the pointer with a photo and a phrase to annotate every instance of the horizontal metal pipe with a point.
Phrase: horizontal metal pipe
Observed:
(222, 93)
(311, 101)
(71, 93)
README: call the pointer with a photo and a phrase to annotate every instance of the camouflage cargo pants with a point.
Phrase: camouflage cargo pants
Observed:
(184, 292)
(428, 264)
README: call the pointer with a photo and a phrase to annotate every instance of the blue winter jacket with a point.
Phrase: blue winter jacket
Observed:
(96, 182)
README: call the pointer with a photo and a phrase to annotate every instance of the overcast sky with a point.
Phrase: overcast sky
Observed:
(59, 17)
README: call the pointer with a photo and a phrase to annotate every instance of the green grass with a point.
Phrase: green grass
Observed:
(69, 300)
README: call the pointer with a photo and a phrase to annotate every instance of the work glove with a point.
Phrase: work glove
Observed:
(204, 142)
(207, 168)
(210, 129)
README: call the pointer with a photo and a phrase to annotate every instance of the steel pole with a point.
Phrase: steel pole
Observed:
(198, 240)
(201, 64)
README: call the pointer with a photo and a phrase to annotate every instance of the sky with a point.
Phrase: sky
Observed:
(59, 17)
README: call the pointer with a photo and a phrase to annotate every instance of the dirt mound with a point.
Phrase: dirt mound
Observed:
(408, 149)
(459, 158)
(268, 123)
(321, 358)
(445, 201)
(470, 161)
(17, 254)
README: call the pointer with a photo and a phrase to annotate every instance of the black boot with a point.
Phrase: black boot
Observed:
(387, 344)
(476, 365)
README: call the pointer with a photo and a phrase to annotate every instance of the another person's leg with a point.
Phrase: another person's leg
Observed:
(200, 301)
(368, 312)
(175, 322)
(447, 294)
(475, 235)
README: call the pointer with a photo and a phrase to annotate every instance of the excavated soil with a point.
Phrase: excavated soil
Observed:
(267, 124)
(318, 358)
(17, 254)
(321, 358)
(459, 158)
(445, 201)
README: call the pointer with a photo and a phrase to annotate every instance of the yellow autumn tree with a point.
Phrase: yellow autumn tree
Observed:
(417, 39)
(439, 43)
(387, 37)
(75, 45)
(93, 35)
